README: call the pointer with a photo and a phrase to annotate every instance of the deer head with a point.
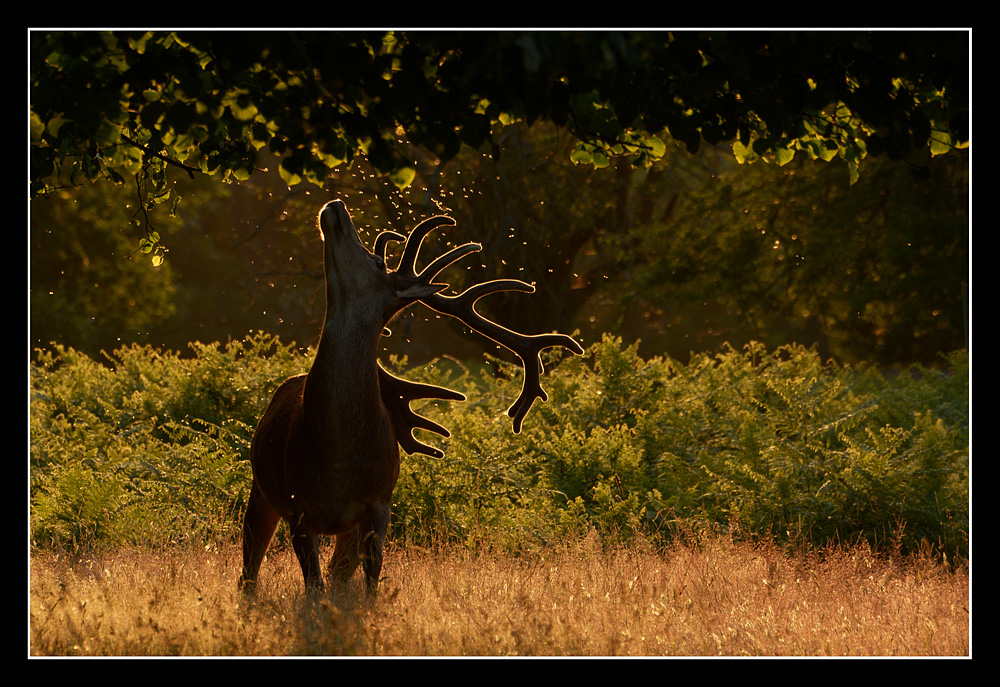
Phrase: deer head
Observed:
(358, 284)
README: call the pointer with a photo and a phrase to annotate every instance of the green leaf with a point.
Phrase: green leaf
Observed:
(581, 155)
(940, 143)
(852, 170)
(744, 152)
(600, 160)
(784, 155)
(403, 177)
(288, 176)
(657, 148)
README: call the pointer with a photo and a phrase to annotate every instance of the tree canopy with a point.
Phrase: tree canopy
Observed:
(122, 105)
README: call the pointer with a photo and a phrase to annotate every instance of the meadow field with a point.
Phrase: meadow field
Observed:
(713, 597)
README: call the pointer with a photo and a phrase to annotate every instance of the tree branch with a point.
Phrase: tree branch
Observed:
(161, 156)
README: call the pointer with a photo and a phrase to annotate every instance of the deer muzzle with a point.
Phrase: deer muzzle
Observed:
(335, 222)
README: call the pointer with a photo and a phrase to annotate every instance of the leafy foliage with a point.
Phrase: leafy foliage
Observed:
(775, 444)
(771, 444)
(111, 105)
(878, 271)
(149, 445)
(689, 253)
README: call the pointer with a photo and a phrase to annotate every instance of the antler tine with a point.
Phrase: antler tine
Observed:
(408, 261)
(405, 419)
(382, 239)
(527, 347)
(455, 254)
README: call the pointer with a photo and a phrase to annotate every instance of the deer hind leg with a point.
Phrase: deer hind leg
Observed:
(362, 544)
(259, 523)
(346, 556)
(373, 543)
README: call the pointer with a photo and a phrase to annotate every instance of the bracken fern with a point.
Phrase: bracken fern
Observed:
(150, 446)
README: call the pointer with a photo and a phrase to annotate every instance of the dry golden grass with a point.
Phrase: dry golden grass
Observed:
(717, 598)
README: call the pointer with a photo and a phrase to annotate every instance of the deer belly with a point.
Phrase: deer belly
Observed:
(335, 501)
(332, 518)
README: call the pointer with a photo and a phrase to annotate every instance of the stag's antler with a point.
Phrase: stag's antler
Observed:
(397, 394)
(527, 347)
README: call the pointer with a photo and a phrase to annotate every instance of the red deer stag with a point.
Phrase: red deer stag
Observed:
(325, 454)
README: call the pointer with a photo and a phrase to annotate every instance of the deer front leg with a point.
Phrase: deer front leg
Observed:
(259, 524)
(306, 548)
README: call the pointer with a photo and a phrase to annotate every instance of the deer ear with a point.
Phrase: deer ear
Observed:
(418, 291)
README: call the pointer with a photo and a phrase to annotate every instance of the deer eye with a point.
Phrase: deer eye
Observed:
(379, 263)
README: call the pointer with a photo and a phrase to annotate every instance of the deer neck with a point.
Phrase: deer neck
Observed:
(341, 396)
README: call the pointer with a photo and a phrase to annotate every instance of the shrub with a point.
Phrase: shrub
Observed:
(149, 445)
